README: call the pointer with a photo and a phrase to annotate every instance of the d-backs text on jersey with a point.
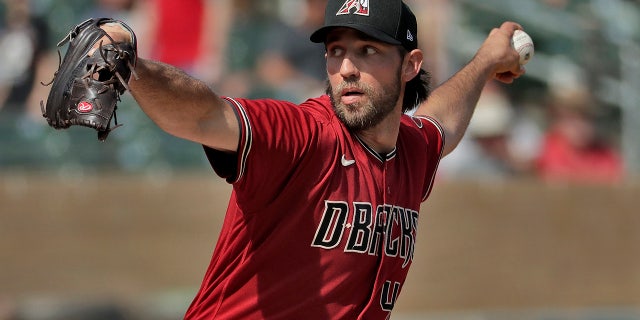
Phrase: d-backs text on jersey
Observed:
(391, 228)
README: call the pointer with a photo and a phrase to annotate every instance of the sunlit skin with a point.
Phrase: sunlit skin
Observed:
(360, 99)
(366, 83)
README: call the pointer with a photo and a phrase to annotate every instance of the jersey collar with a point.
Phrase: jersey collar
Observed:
(380, 156)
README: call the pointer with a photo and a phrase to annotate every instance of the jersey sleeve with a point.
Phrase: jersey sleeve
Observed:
(274, 136)
(436, 138)
(431, 135)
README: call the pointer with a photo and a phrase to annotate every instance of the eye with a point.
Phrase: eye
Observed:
(368, 50)
(335, 51)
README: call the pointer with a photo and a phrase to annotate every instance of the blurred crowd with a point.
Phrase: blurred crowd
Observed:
(251, 48)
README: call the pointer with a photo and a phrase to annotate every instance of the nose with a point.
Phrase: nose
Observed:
(348, 69)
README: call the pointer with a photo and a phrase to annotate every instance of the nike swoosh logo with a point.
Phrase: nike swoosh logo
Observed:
(345, 162)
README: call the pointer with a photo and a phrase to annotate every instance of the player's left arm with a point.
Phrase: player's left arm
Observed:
(453, 102)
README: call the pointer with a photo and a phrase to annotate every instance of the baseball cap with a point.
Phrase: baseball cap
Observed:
(389, 21)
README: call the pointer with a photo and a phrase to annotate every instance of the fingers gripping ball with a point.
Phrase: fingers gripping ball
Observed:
(522, 43)
(87, 86)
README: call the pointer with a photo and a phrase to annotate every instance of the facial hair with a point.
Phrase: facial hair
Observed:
(365, 114)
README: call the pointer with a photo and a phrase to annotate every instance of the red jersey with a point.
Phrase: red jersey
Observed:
(319, 225)
(560, 160)
(179, 31)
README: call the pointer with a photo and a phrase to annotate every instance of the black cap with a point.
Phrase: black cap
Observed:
(389, 21)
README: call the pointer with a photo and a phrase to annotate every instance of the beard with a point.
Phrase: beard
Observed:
(364, 115)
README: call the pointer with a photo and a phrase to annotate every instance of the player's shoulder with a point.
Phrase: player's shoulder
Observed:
(259, 103)
(318, 110)
(319, 107)
(321, 103)
(420, 122)
(421, 126)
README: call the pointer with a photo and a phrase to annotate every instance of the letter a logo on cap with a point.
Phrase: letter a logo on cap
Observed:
(361, 6)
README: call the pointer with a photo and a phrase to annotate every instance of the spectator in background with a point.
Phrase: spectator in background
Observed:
(572, 149)
(117, 9)
(488, 152)
(185, 34)
(292, 65)
(435, 18)
(23, 43)
(251, 21)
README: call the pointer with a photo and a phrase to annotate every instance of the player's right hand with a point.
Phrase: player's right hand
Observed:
(499, 55)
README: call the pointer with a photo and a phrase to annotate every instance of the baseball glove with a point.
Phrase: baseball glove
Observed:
(87, 86)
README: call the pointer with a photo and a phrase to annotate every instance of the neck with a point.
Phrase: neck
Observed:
(383, 137)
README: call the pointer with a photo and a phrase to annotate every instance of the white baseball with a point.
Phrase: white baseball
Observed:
(522, 42)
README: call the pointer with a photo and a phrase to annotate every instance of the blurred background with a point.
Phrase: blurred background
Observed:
(534, 216)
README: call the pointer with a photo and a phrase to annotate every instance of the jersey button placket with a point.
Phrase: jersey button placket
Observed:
(387, 187)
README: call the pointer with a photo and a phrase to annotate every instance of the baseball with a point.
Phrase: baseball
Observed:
(522, 42)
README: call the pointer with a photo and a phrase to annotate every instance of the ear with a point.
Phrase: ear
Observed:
(412, 65)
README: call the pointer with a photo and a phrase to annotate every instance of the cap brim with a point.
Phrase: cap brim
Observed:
(320, 35)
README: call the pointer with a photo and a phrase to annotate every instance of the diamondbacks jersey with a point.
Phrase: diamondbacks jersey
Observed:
(319, 225)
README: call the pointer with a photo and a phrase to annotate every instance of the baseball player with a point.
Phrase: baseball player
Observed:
(322, 220)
